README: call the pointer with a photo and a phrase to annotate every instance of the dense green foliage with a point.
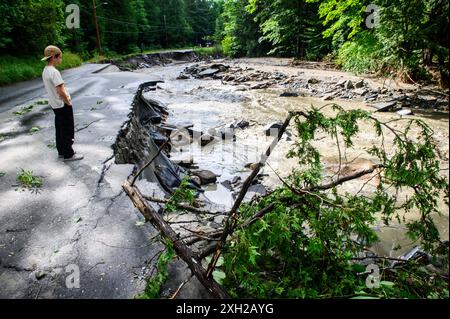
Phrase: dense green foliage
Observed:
(290, 26)
(28, 26)
(306, 247)
(14, 69)
(404, 36)
(153, 288)
(409, 35)
(316, 241)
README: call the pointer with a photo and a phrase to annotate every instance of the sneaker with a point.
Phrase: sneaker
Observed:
(75, 157)
(62, 156)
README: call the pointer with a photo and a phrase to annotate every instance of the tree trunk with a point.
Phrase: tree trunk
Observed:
(180, 248)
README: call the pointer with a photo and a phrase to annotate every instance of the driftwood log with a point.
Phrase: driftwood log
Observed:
(184, 252)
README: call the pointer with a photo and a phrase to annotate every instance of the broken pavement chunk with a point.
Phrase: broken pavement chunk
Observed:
(208, 72)
(385, 106)
(241, 124)
(313, 81)
(289, 94)
(227, 134)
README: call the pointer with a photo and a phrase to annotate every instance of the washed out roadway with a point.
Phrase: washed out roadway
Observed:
(80, 216)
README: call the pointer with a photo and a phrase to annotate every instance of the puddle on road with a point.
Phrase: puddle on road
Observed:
(209, 104)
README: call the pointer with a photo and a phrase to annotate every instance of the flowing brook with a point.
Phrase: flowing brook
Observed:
(219, 115)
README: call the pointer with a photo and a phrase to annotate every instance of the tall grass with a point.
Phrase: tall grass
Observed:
(15, 69)
(209, 51)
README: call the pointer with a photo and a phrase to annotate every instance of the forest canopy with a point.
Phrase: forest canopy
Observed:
(27, 26)
(405, 37)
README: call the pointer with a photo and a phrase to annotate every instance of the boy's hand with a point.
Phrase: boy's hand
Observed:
(64, 95)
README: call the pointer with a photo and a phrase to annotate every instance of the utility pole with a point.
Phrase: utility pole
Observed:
(165, 31)
(99, 45)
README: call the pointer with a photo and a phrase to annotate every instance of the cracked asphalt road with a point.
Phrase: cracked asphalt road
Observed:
(80, 216)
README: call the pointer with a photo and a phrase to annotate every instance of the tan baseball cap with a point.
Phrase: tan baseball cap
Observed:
(51, 51)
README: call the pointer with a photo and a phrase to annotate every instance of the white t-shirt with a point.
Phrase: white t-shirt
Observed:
(52, 78)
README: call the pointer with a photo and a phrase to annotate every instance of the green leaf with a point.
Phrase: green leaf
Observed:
(359, 268)
(279, 290)
(28, 180)
(389, 284)
(219, 276)
(34, 129)
(24, 110)
(220, 262)
(51, 145)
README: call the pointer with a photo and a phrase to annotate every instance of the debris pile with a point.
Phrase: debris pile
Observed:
(145, 61)
(384, 99)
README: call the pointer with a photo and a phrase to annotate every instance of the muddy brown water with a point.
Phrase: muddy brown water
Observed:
(209, 104)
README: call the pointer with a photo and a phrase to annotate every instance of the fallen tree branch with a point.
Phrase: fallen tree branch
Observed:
(198, 239)
(231, 221)
(175, 295)
(86, 126)
(212, 248)
(345, 179)
(303, 192)
(207, 251)
(184, 252)
(150, 162)
(258, 215)
(201, 235)
(182, 206)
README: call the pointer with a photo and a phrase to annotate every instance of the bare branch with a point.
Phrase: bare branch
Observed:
(180, 248)
(175, 295)
(231, 221)
(345, 179)
(198, 239)
(150, 162)
(258, 215)
(182, 206)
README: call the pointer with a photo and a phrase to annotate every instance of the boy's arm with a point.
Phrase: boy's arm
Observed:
(61, 89)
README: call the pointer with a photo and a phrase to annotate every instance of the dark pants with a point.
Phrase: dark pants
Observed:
(65, 131)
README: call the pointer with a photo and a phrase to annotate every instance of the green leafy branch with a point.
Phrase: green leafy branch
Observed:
(305, 246)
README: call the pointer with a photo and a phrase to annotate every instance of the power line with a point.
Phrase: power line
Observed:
(124, 22)
(140, 25)
(143, 32)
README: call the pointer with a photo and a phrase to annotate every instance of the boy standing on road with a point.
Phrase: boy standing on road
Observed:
(61, 103)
